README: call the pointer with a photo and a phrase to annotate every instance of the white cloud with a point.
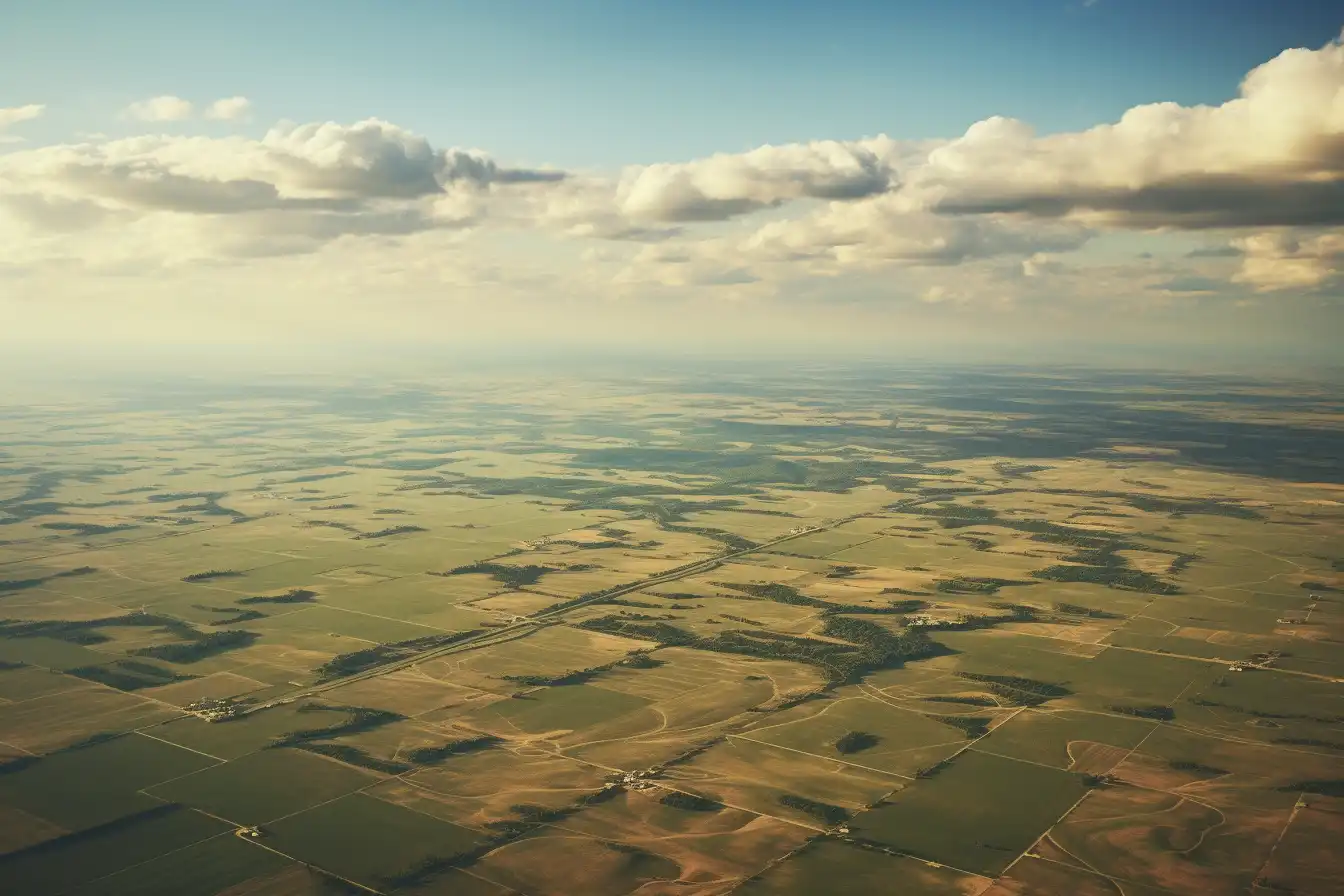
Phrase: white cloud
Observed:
(15, 114)
(1280, 260)
(299, 186)
(991, 216)
(230, 108)
(1274, 156)
(160, 108)
(725, 185)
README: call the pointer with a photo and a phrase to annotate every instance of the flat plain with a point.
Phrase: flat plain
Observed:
(922, 631)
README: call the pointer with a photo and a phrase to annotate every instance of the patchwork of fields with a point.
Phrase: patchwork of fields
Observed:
(995, 634)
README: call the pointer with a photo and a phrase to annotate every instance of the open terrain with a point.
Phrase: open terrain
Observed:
(918, 631)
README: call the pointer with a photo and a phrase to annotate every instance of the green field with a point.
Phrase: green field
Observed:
(828, 866)
(266, 785)
(366, 839)
(1059, 738)
(976, 815)
(86, 787)
(564, 707)
(906, 740)
(202, 869)
(58, 865)
(1018, 585)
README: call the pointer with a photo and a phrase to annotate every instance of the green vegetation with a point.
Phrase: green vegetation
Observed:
(129, 675)
(970, 726)
(512, 576)
(212, 574)
(390, 531)
(1017, 690)
(690, 802)
(1333, 787)
(88, 529)
(786, 594)
(1154, 712)
(856, 742)
(61, 863)
(978, 812)
(201, 646)
(973, 585)
(352, 755)
(373, 657)
(824, 812)
(292, 596)
(434, 755)
(968, 701)
(357, 719)
(1077, 610)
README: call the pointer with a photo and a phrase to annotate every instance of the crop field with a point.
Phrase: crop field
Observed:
(914, 631)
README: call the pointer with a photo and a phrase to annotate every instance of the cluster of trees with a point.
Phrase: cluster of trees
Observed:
(237, 617)
(1017, 690)
(431, 755)
(690, 802)
(212, 574)
(129, 675)
(505, 574)
(372, 657)
(870, 646)
(352, 755)
(965, 701)
(200, 646)
(971, 726)
(393, 530)
(826, 813)
(787, 594)
(1154, 712)
(292, 596)
(856, 742)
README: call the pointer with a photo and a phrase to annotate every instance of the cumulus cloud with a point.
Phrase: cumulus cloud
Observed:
(229, 108)
(1272, 157)
(887, 229)
(1279, 260)
(1262, 173)
(161, 108)
(300, 185)
(15, 114)
(725, 185)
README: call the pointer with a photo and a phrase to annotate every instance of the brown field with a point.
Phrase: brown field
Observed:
(410, 692)
(220, 684)
(713, 850)
(1181, 552)
(753, 776)
(1306, 859)
(478, 788)
(1170, 841)
(51, 722)
(1039, 877)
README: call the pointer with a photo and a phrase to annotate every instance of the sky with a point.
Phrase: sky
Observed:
(979, 179)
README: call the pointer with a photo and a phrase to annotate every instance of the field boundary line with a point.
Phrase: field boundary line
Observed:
(1292, 816)
(822, 758)
(180, 747)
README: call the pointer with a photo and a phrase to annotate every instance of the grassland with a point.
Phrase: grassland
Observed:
(915, 631)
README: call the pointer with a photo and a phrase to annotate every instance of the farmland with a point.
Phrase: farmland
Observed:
(922, 630)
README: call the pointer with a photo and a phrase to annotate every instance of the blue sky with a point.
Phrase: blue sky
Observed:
(172, 171)
(601, 83)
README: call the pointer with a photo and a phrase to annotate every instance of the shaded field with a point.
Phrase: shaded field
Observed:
(978, 814)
